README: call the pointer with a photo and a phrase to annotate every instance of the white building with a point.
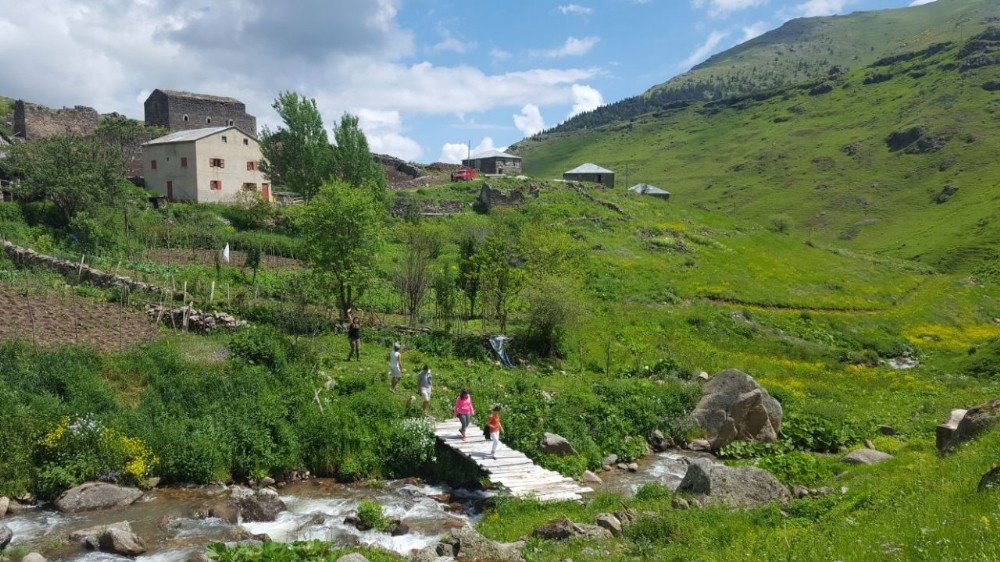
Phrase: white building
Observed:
(211, 165)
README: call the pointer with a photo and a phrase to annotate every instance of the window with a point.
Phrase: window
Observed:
(152, 164)
(170, 191)
(251, 166)
(225, 139)
(184, 162)
(249, 187)
(230, 122)
(185, 118)
(208, 120)
(246, 142)
(216, 163)
(215, 185)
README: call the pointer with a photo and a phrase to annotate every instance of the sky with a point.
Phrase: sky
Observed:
(425, 77)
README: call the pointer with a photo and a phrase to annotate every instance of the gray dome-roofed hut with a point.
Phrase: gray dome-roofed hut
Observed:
(651, 190)
(592, 173)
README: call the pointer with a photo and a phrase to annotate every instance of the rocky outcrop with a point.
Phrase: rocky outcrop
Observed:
(563, 528)
(556, 445)
(467, 544)
(990, 480)
(260, 505)
(96, 495)
(866, 456)
(737, 487)
(965, 425)
(733, 406)
(187, 318)
(116, 538)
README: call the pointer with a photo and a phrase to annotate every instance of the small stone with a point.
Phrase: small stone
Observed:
(6, 535)
(886, 430)
(800, 491)
(703, 376)
(622, 466)
(633, 467)
(609, 522)
(679, 503)
(866, 456)
(34, 557)
(869, 444)
(700, 445)
(590, 477)
(843, 490)
(990, 480)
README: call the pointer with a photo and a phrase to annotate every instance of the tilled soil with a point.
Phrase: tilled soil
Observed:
(207, 257)
(57, 319)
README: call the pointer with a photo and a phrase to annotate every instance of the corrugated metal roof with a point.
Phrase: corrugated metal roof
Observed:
(589, 168)
(493, 153)
(189, 135)
(647, 189)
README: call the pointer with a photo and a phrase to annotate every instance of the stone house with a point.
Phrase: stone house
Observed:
(211, 165)
(183, 111)
(591, 173)
(494, 162)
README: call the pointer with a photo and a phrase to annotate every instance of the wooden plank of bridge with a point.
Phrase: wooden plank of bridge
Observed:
(511, 469)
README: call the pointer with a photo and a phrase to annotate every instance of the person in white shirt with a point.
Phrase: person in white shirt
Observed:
(395, 365)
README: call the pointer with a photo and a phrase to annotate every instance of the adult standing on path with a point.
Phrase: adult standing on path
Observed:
(424, 385)
(494, 427)
(464, 410)
(354, 336)
(395, 365)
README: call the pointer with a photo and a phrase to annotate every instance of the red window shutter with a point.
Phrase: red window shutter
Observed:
(152, 164)
(222, 163)
(184, 162)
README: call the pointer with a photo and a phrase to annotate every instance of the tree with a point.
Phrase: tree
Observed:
(413, 280)
(298, 155)
(445, 294)
(468, 270)
(500, 277)
(128, 136)
(353, 161)
(73, 173)
(343, 231)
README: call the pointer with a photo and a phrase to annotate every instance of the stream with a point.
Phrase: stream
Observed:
(166, 518)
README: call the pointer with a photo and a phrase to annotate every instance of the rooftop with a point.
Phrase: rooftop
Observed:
(188, 136)
(589, 168)
(647, 189)
(494, 153)
(192, 95)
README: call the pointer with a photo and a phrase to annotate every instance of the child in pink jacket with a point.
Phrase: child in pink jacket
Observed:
(464, 410)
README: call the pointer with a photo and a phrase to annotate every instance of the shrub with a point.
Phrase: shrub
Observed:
(370, 514)
(781, 224)
(797, 468)
(260, 345)
(653, 491)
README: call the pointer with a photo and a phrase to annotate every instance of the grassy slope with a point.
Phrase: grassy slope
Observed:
(786, 155)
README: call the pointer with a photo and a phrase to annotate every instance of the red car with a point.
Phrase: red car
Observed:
(464, 174)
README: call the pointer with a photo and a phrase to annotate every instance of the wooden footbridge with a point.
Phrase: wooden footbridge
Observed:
(511, 469)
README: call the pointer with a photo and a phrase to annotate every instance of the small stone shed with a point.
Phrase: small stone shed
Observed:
(651, 190)
(494, 162)
(592, 173)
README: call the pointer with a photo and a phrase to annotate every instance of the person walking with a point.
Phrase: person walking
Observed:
(395, 365)
(424, 385)
(464, 410)
(354, 337)
(494, 427)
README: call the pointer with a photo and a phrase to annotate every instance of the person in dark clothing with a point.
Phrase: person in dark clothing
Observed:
(354, 336)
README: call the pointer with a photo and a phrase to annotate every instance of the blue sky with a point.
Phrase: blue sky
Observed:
(425, 76)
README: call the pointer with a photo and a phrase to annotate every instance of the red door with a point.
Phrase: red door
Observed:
(265, 191)
(170, 191)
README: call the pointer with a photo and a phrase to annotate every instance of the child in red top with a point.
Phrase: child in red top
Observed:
(495, 427)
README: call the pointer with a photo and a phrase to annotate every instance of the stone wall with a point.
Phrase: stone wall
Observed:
(33, 121)
(182, 111)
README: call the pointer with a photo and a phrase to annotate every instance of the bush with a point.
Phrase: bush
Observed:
(653, 491)
(798, 468)
(370, 514)
(781, 224)
(260, 345)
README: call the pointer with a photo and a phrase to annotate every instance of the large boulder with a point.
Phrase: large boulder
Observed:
(91, 536)
(866, 456)
(556, 445)
(96, 495)
(609, 522)
(965, 425)
(121, 541)
(562, 529)
(260, 505)
(4, 504)
(738, 487)
(467, 544)
(6, 535)
(733, 406)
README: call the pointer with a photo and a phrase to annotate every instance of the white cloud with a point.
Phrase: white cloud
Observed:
(585, 99)
(571, 48)
(921, 2)
(568, 9)
(722, 8)
(498, 54)
(529, 121)
(755, 30)
(383, 130)
(814, 8)
(454, 153)
(706, 48)
(451, 43)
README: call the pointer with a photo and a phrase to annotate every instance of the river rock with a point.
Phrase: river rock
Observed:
(658, 441)
(562, 529)
(959, 427)
(34, 557)
(866, 456)
(700, 445)
(352, 557)
(591, 478)
(120, 541)
(6, 535)
(399, 529)
(226, 511)
(990, 480)
(96, 495)
(260, 505)
(609, 522)
(738, 487)
(4, 504)
(632, 467)
(91, 536)
(733, 406)
(610, 461)
(467, 544)
(556, 445)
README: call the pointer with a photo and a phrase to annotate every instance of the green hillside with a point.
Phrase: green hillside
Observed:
(895, 158)
(804, 49)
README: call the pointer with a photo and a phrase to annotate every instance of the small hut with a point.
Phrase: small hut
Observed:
(651, 190)
(592, 173)
(494, 162)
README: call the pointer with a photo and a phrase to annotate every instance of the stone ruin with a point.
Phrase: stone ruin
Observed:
(189, 319)
(33, 121)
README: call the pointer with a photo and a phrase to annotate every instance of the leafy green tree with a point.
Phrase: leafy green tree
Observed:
(468, 271)
(353, 161)
(499, 274)
(343, 231)
(413, 278)
(298, 155)
(128, 136)
(73, 173)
